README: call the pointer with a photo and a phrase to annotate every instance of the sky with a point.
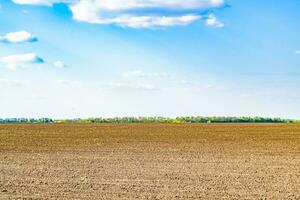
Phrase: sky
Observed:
(107, 58)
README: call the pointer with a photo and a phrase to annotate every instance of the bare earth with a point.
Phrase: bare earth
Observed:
(150, 161)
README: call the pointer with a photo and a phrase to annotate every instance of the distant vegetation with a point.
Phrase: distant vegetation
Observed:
(177, 120)
(25, 120)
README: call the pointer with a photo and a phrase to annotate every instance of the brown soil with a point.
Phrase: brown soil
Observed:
(150, 161)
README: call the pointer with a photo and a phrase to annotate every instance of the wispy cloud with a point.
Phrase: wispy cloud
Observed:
(21, 60)
(11, 82)
(199, 87)
(18, 37)
(298, 52)
(142, 74)
(131, 86)
(59, 64)
(138, 13)
(185, 82)
(63, 82)
(213, 21)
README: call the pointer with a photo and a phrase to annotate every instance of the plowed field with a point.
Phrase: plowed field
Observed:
(150, 161)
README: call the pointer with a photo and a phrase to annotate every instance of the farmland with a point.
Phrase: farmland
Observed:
(150, 161)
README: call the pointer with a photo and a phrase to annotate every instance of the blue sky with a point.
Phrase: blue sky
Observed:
(68, 59)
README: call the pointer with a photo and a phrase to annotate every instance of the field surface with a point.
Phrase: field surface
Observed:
(150, 161)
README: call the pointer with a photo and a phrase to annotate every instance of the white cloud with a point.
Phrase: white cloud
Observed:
(18, 37)
(141, 74)
(21, 60)
(33, 2)
(150, 21)
(120, 5)
(42, 2)
(59, 64)
(137, 13)
(213, 21)
(131, 4)
(126, 13)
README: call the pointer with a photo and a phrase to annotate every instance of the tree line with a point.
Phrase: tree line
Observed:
(25, 120)
(177, 120)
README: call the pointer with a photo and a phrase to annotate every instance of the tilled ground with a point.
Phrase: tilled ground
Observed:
(150, 161)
